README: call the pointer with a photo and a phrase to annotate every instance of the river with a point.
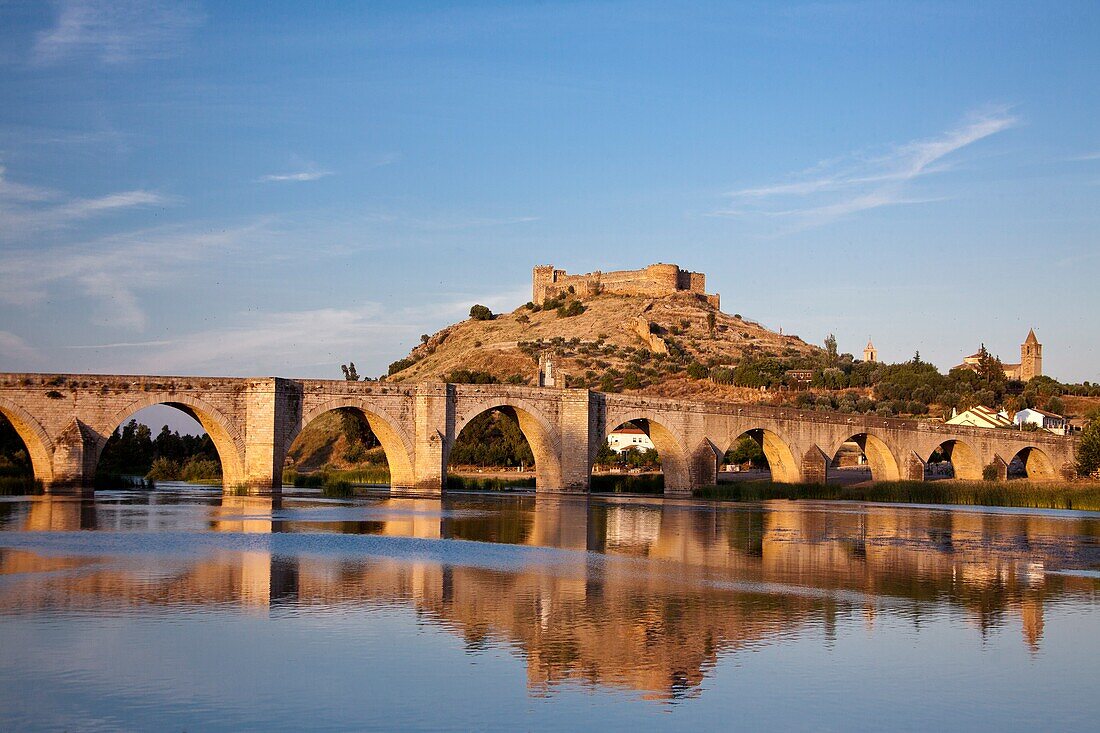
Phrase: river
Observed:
(179, 609)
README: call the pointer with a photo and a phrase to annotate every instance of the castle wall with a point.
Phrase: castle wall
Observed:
(654, 281)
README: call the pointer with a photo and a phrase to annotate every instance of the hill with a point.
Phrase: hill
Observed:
(610, 342)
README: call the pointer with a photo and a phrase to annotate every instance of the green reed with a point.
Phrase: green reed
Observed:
(1084, 496)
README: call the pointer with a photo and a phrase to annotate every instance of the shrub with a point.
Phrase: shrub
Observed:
(164, 469)
(696, 370)
(575, 308)
(399, 365)
(1088, 449)
(470, 376)
(991, 472)
(721, 375)
(200, 469)
(523, 318)
(481, 313)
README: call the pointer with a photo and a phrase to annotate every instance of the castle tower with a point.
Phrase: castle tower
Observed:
(1031, 357)
(541, 277)
(870, 353)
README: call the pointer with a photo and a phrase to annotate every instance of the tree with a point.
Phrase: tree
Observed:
(1055, 405)
(989, 367)
(745, 451)
(696, 370)
(712, 320)
(400, 365)
(605, 456)
(481, 313)
(1088, 449)
(916, 359)
(349, 372)
(830, 347)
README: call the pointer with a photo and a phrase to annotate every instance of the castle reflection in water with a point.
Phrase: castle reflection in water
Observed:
(663, 591)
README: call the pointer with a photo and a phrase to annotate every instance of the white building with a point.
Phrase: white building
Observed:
(980, 417)
(629, 437)
(1041, 419)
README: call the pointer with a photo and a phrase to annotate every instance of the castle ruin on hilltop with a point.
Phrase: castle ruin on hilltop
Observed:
(654, 281)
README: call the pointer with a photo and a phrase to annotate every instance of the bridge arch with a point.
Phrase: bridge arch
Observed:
(537, 429)
(39, 446)
(880, 458)
(781, 461)
(966, 462)
(1037, 465)
(395, 441)
(673, 454)
(222, 431)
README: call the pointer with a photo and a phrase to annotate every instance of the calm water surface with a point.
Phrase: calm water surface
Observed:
(183, 610)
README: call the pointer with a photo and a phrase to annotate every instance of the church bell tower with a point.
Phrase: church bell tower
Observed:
(1031, 357)
(870, 353)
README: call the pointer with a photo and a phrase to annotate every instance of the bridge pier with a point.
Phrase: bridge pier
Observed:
(913, 470)
(271, 408)
(575, 450)
(433, 421)
(815, 466)
(74, 460)
(1001, 466)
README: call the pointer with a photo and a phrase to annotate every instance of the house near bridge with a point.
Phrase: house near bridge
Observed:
(980, 417)
(1041, 419)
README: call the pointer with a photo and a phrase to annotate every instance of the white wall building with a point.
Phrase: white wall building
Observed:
(629, 437)
(980, 416)
(1041, 419)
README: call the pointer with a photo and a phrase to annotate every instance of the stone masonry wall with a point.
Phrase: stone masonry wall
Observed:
(66, 419)
(654, 281)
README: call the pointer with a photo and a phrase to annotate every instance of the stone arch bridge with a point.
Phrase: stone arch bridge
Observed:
(66, 419)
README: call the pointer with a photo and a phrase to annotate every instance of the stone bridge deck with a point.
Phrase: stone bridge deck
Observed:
(66, 419)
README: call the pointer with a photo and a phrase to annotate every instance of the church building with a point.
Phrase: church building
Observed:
(1031, 360)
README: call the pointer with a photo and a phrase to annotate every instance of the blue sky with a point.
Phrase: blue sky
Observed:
(272, 189)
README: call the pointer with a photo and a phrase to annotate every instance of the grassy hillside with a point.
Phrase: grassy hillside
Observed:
(618, 343)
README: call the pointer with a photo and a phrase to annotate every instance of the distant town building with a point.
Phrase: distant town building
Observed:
(629, 437)
(870, 353)
(1031, 360)
(550, 375)
(799, 377)
(1041, 419)
(981, 417)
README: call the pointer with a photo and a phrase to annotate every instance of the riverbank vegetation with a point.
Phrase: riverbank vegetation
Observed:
(1035, 495)
(133, 451)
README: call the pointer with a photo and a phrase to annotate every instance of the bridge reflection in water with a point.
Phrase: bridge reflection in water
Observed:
(655, 593)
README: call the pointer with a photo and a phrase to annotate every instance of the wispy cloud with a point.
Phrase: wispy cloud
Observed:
(112, 271)
(115, 31)
(16, 354)
(839, 188)
(121, 345)
(1087, 156)
(26, 208)
(388, 158)
(309, 175)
